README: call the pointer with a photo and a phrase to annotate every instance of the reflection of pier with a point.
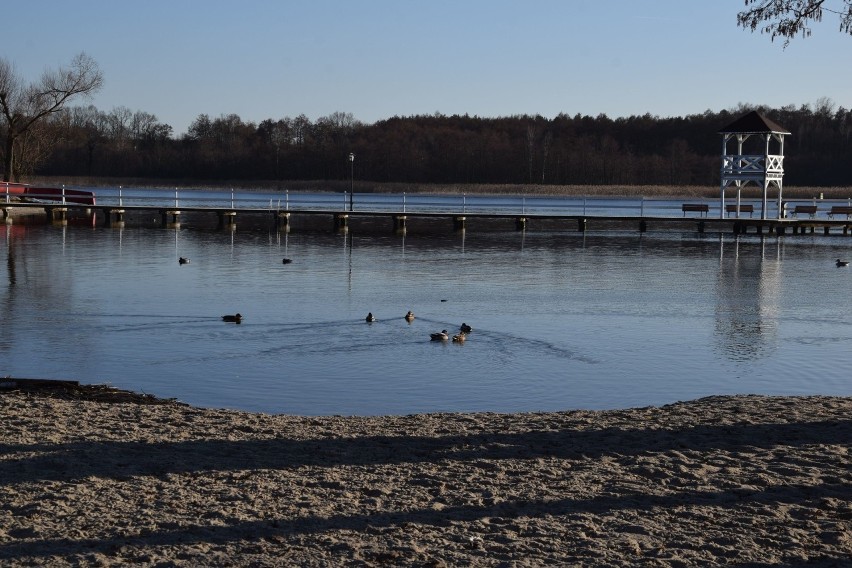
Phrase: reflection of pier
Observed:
(747, 299)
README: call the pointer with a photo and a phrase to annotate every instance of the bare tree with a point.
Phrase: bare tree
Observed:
(24, 106)
(789, 18)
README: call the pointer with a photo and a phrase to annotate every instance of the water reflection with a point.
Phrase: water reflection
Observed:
(562, 319)
(748, 289)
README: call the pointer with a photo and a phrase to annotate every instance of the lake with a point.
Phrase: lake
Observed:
(561, 319)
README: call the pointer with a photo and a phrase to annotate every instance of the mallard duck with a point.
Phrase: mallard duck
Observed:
(370, 317)
(236, 318)
(464, 328)
(459, 337)
(183, 260)
(842, 262)
(409, 316)
(442, 336)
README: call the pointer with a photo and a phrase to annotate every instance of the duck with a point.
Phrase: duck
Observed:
(441, 336)
(459, 337)
(236, 318)
(842, 263)
(464, 328)
(183, 260)
(409, 316)
(370, 317)
(287, 261)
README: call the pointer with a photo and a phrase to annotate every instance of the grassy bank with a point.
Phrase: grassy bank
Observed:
(341, 186)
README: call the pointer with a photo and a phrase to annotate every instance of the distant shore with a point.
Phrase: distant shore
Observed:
(98, 478)
(341, 186)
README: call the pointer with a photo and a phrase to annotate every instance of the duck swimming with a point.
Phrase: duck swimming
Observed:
(183, 260)
(459, 338)
(370, 317)
(236, 318)
(409, 316)
(464, 328)
(287, 261)
(842, 263)
(442, 336)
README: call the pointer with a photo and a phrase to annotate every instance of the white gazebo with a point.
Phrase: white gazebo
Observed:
(765, 168)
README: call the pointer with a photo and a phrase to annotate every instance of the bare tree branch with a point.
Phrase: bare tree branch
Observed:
(24, 106)
(789, 18)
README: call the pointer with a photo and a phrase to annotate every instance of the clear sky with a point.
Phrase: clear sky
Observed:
(376, 59)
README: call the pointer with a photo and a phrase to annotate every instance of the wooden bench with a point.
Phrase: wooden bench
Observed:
(806, 209)
(840, 210)
(695, 208)
(744, 208)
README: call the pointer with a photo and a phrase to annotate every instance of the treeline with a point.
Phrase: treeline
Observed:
(565, 150)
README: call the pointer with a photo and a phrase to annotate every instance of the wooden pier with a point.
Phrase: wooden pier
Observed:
(698, 221)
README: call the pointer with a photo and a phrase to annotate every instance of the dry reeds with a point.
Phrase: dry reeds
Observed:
(341, 186)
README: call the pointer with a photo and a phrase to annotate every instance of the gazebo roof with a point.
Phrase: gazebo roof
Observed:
(753, 123)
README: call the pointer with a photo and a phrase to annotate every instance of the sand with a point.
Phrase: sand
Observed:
(742, 480)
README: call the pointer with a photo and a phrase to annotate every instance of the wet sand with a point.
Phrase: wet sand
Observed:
(743, 480)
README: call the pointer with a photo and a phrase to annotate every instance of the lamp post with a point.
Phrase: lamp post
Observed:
(351, 178)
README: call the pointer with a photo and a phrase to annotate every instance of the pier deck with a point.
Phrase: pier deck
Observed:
(112, 215)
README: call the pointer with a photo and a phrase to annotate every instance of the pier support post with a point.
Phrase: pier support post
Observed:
(116, 223)
(700, 226)
(399, 222)
(643, 226)
(228, 220)
(520, 223)
(581, 225)
(759, 228)
(7, 219)
(282, 221)
(171, 218)
(845, 230)
(459, 223)
(58, 215)
(780, 229)
(826, 230)
(341, 222)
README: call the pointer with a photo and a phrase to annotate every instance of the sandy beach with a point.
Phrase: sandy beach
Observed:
(105, 481)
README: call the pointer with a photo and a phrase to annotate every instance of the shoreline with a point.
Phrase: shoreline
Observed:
(747, 479)
(365, 186)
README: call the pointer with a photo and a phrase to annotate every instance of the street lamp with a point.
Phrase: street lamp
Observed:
(351, 178)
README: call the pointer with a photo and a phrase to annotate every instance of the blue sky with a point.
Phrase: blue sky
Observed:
(376, 59)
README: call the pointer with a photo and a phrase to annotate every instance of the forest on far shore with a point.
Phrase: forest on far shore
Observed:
(436, 149)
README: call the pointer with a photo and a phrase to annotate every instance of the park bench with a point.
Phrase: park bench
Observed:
(805, 209)
(694, 208)
(840, 210)
(744, 208)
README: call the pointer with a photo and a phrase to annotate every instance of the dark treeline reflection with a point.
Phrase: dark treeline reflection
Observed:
(522, 149)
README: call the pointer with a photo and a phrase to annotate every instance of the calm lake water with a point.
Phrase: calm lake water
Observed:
(561, 320)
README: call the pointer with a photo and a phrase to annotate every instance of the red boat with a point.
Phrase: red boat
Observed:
(29, 193)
